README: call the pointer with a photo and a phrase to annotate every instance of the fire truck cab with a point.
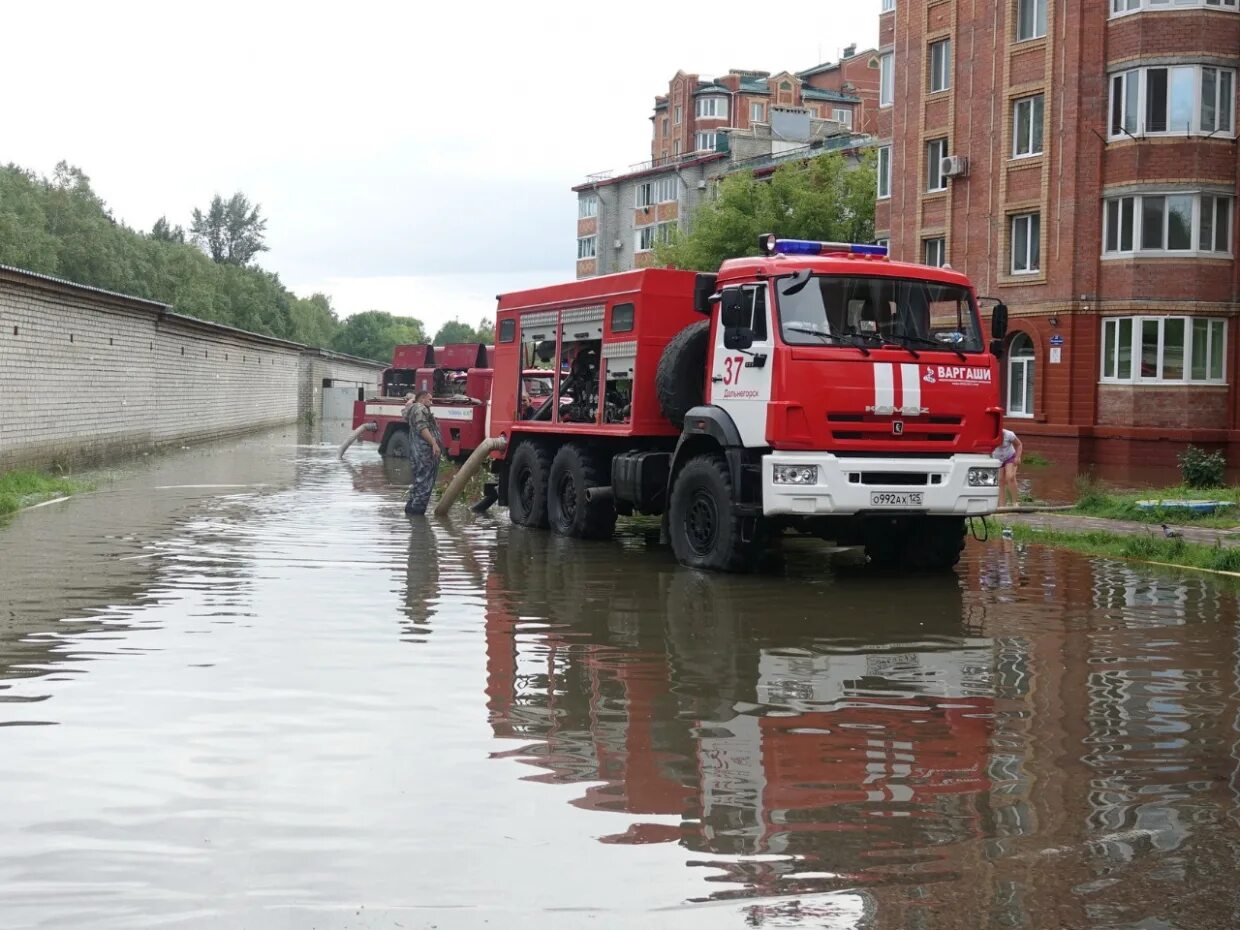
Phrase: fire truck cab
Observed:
(818, 387)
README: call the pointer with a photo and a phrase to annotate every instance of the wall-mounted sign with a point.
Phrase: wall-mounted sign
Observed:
(1055, 355)
(1056, 340)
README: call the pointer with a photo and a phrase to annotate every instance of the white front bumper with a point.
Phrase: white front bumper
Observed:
(842, 486)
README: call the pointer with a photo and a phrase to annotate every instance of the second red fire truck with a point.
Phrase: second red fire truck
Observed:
(818, 387)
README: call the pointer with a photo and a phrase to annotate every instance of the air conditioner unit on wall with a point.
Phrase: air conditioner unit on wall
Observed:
(954, 166)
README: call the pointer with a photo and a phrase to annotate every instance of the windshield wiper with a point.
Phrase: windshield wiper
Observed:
(825, 337)
(935, 344)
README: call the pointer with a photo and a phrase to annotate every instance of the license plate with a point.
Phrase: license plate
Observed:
(896, 498)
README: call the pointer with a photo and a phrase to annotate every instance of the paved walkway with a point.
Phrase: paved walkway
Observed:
(1072, 523)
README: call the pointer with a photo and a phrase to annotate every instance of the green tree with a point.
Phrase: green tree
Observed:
(373, 334)
(231, 231)
(314, 322)
(165, 232)
(453, 332)
(485, 332)
(825, 198)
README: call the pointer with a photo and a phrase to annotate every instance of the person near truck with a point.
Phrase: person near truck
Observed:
(425, 447)
(1008, 453)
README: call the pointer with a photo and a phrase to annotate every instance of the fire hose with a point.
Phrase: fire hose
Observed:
(468, 470)
(353, 436)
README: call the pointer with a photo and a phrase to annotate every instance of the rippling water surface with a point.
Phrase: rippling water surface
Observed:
(238, 688)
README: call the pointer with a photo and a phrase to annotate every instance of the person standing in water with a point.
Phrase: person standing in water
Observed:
(1008, 453)
(425, 447)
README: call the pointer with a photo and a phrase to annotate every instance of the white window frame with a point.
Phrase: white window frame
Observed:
(757, 111)
(644, 237)
(1214, 329)
(939, 56)
(1034, 120)
(885, 243)
(1123, 224)
(1128, 7)
(936, 151)
(1129, 90)
(1036, 15)
(587, 247)
(1027, 364)
(934, 251)
(700, 138)
(886, 79)
(643, 194)
(884, 172)
(679, 113)
(587, 206)
(663, 231)
(1032, 258)
(888, 6)
(843, 116)
(713, 106)
(666, 189)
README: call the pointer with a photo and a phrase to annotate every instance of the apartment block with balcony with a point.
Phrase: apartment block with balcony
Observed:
(1078, 162)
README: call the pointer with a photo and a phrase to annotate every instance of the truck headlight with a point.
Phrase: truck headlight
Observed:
(983, 477)
(796, 474)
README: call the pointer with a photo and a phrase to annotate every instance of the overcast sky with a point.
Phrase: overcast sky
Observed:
(416, 159)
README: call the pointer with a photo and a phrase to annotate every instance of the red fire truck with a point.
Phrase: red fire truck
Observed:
(459, 379)
(820, 387)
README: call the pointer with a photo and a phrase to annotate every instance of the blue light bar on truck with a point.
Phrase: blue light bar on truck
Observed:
(770, 245)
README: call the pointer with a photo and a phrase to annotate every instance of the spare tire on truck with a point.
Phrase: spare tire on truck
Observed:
(680, 380)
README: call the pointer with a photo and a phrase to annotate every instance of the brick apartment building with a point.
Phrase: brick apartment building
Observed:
(703, 130)
(1078, 160)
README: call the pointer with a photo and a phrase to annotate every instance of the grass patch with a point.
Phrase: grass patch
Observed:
(1034, 460)
(20, 489)
(1095, 501)
(1142, 548)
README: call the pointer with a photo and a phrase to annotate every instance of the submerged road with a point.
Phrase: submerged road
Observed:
(239, 688)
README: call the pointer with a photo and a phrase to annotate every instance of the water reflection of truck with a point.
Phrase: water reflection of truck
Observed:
(459, 379)
(818, 387)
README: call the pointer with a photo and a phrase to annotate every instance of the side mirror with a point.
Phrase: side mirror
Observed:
(737, 337)
(999, 322)
(730, 307)
(703, 288)
(996, 348)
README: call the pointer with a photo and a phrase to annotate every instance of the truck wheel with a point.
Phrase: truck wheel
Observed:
(680, 379)
(527, 485)
(397, 445)
(704, 531)
(569, 513)
(934, 544)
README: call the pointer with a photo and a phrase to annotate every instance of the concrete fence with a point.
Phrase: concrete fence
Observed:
(87, 374)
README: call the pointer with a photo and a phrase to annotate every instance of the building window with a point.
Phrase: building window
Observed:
(1030, 19)
(884, 171)
(587, 206)
(936, 151)
(676, 147)
(1179, 222)
(665, 189)
(643, 196)
(1122, 7)
(888, 6)
(757, 112)
(678, 113)
(665, 231)
(643, 238)
(1027, 116)
(1172, 348)
(934, 252)
(1175, 100)
(843, 116)
(1020, 376)
(586, 247)
(706, 141)
(1026, 247)
(886, 79)
(712, 108)
(666, 128)
(885, 243)
(940, 65)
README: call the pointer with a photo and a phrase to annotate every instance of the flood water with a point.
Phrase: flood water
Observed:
(239, 688)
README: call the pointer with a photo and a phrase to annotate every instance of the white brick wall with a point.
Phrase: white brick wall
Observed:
(85, 375)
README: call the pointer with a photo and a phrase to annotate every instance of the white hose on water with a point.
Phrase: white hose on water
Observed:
(364, 428)
(468, 470)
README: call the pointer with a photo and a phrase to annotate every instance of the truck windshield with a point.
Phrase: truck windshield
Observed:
(872, 311)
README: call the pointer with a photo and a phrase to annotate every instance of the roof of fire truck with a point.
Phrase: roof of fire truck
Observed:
(784, 256)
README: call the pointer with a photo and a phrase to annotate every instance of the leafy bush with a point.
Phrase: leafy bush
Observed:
(1089, 493)
(1201, 469)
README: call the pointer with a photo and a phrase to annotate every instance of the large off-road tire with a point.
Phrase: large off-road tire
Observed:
(680, 379)
(934, 544)
(397, 445)
(572, 471)
(704, 530)
(528, 475)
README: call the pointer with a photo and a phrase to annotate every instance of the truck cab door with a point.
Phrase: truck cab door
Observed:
(740, 377)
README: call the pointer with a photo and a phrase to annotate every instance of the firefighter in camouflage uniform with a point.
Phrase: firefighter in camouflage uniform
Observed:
(425, 447)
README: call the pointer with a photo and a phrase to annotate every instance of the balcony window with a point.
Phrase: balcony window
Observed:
(1168, 349)
(587, 247)
(843, 116)
(706, 141)
(587, 206)
(1124, 7)
(712, 108)
(1167, 223)
(757, 112)
(1179, 100)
